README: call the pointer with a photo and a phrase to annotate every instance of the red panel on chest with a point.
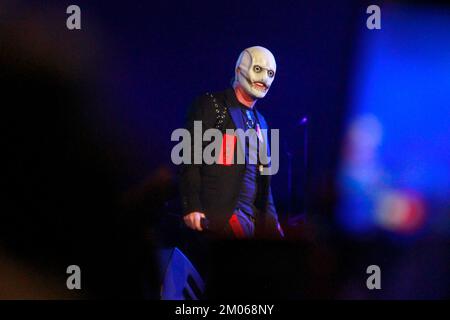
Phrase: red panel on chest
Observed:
(226, 154)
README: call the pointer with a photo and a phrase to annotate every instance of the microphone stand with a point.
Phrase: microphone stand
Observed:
(294, 219)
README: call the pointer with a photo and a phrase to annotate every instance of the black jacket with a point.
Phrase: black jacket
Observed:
(213, 189)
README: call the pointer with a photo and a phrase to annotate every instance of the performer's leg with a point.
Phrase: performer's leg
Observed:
(240, 226)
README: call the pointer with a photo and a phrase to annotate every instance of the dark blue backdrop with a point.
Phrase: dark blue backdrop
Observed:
(156, 57)
(90, 114)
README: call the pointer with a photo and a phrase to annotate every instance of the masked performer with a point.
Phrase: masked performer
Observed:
(234, 198)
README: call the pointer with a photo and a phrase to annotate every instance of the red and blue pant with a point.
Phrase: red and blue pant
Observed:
(240, 226)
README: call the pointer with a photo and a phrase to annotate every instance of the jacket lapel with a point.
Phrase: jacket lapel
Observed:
(265, 152)
(264, 128)
(236, 116)
(235, 113)
(234, 110)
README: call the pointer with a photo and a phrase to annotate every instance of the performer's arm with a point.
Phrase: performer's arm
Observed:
(272, 215)
(190, 177)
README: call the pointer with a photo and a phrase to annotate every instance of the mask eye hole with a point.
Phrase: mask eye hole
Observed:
(271, 73)
(257, 69)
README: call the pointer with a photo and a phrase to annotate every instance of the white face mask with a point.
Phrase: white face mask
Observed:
(255, 71)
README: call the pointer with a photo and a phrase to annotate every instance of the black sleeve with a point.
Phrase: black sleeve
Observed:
(271, 211)
(273, 227)
(190, 174)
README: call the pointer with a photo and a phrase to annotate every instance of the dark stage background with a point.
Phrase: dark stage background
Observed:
(89, 113)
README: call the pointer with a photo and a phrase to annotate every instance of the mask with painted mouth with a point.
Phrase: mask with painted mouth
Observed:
(255, 71)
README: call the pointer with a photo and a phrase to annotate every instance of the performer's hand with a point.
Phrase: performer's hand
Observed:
(192, 220)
